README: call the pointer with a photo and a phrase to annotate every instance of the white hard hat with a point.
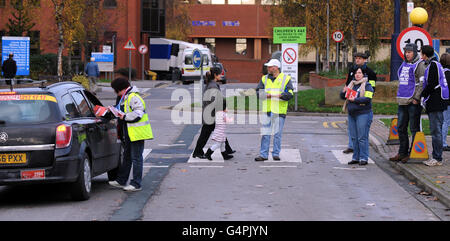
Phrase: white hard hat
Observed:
(273, 62)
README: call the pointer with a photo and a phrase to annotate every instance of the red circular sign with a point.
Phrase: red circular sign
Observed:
(143, 49)
(289, 55)
(415, 35)
(338, 36)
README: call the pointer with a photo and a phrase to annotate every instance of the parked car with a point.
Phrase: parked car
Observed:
(223, 70)
(50, 134)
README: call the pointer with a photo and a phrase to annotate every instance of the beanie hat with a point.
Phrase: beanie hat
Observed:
(411, 47)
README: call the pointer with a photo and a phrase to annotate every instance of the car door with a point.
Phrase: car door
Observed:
(108, 125)
(95, 131)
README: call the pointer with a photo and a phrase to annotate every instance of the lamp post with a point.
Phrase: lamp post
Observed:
(396, 60)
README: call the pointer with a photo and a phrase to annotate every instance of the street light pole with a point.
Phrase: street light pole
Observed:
(396, 60)
(328, 36)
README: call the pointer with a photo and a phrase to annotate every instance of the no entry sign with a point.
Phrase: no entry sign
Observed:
(414, 35)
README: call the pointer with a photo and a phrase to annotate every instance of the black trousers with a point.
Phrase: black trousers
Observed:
(203, 139)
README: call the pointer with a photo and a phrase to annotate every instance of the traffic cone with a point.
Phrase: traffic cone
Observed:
(419, 149)
(393, 133)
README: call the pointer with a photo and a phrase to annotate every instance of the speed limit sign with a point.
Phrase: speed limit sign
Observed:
(338, 36)
(414, 35)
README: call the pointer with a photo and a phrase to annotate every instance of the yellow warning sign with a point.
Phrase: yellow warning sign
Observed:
(393, 133)
(419, 148)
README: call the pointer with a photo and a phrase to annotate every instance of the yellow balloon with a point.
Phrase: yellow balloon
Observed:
(418, 16)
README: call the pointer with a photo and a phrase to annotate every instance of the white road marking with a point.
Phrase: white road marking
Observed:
(345, 158)
(287, 155)
(145, 153)
(170, 145)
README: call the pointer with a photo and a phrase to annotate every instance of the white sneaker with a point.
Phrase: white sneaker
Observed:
(131, 188)
(115, 184)
(432, 163)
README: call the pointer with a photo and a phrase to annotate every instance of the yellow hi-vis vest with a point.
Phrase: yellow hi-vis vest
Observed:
(141, 130)
(275, 105)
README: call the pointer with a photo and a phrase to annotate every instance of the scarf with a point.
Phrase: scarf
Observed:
(362, 89)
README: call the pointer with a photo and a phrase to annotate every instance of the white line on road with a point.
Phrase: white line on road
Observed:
(345, 158)
(170, 145)
(145, 153)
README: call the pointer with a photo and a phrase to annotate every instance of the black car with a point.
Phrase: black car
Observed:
(50, 134)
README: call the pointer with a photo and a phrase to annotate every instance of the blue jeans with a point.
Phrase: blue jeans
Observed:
(359, 132)
(436, 120)
(272, 124)
(407, 114)
(132, 156)
(445, 126)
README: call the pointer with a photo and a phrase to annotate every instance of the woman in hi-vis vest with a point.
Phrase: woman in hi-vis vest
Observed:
(135, 129)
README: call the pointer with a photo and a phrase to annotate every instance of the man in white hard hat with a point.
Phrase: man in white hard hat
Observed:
(93, 73)
(275, 90)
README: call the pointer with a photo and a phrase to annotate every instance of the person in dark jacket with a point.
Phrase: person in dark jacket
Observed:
(360, 62)
(445, 62)
(359, 112)
(212, 102)
(435, 92)
(9, 68)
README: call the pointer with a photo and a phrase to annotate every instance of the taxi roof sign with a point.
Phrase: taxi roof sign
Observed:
(129, 45)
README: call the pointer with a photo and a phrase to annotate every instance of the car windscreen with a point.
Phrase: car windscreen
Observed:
(19, 109)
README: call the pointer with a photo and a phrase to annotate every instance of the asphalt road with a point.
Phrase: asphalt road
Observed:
(312, 181)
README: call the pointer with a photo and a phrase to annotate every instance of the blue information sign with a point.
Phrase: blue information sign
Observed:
(197, 58)
(103, 57)
(20, 47)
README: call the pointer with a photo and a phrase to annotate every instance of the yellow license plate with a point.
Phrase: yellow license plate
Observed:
(13, 158)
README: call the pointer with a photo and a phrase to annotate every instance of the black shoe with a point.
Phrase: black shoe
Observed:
(226, 156)
(201, 156)
(260, 159)
(276, 158)
(363, 163)
(230, 152)
(348, 150)
(208, 154)
(353, 162)
(446, 148)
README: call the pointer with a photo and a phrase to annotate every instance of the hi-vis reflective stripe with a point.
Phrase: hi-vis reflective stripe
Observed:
(372, 82)
(137, 124)
(368, 94)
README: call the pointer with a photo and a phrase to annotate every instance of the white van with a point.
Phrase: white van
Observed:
(188, 72)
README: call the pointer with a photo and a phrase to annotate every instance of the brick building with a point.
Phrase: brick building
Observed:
(123, 19)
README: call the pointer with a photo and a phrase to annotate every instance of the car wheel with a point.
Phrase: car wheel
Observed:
(112, 174)
(81, 189)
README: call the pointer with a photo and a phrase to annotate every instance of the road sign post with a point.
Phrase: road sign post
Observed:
(338, 36)
(197, 60)
(289, 63)
(143, 49)
(129, 46)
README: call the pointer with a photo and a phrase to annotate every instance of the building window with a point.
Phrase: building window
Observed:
(211, 43)
(153, 17)
(2, 3)
(241, 1)
(217, 1)
(269, 2)
(110, 39)
(110, 4)
(2, 33)
(241, 46)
